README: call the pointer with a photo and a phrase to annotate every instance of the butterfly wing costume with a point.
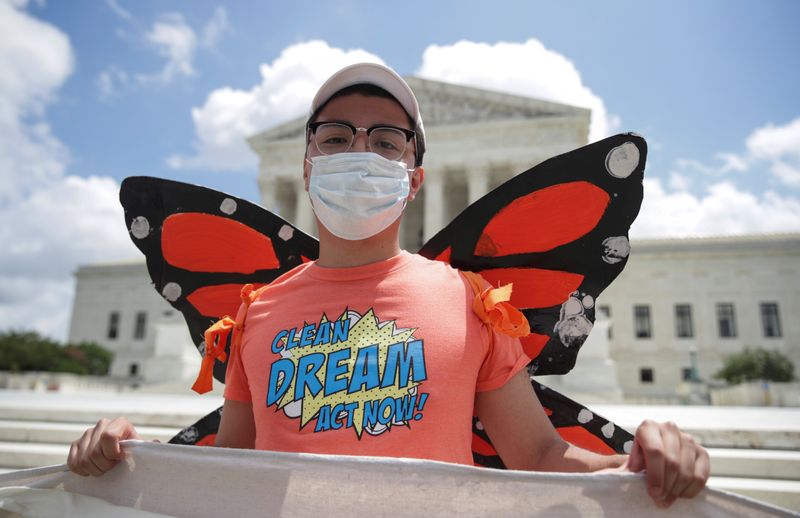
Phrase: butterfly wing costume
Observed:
(558, 232)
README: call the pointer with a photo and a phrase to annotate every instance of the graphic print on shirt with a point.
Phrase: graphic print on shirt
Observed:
(352, 372)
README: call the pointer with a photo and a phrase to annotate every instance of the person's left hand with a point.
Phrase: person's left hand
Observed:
(675, 465)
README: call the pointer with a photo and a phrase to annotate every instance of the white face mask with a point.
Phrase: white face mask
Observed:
(357, 195)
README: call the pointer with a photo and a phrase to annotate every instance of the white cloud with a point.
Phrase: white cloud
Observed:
(287, 86)
(119, 10)
(687, 165)
(528, 69)
(787, 174)
(724, 164)
(71, 222)
(776, 147)
(45, 307)
(215, 28)
(176, 41)
(775, 142)
(35, 58)
(731, 162)
(780, 146)
(51, 221)
(111, 82)
(172, 38)
(722, 209)
(679, 182)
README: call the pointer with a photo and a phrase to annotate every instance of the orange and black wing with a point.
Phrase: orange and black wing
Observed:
(559, 233)
(202, 246)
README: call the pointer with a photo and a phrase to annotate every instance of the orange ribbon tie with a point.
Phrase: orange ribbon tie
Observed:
(216, 337)
(492, 307)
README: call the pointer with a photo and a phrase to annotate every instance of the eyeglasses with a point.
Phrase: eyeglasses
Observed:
(337, 137)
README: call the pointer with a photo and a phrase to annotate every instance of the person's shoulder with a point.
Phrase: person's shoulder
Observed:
(294, 274)
(423, 262)
(287, 280)
(434, 269)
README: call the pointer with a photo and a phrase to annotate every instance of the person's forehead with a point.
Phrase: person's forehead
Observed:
(364, 111)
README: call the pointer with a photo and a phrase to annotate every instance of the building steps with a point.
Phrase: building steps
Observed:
(65, 433)
(157, 410)
(762, 464)
(785, 493)
(717, 427)
(21, 455)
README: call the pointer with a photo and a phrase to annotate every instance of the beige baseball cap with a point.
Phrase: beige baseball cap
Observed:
(382, 77)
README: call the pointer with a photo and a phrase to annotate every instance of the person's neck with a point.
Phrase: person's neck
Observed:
(335, 252)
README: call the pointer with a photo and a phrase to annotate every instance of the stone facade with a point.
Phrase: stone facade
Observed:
(756, 279)
(150, 339)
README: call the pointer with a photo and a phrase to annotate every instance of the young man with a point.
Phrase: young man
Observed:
(373, 351)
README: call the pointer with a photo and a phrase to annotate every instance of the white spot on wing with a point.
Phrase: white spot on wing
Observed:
(140, 227)
(572, 327)
(189, 434)
(588, 302)
(608, 430)
(622, 160)
(228, 206)
(584, 416)
(572, 306)
(171, 291)
(627, 447)
(615, 249)
(478, 425)
(286, 232)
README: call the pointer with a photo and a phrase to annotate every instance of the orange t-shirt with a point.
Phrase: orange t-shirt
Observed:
(382, 359)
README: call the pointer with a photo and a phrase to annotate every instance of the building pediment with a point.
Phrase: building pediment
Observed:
(447, 103)
(444, 104)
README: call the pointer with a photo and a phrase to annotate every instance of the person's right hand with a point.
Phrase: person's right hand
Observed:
(98, 449)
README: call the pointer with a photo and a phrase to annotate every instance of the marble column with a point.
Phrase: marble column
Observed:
(269, 193)
(477, 182)
(434, 205)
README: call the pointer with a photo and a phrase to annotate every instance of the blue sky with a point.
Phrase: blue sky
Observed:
(94, 91)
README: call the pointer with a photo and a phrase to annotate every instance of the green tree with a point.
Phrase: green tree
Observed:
(96, 358)
(22, 351)
(756, 364)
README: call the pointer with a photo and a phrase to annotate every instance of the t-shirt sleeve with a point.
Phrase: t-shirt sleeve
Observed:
(237, 387)
(503, 359)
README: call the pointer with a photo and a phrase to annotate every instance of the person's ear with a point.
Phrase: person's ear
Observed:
(417, 176)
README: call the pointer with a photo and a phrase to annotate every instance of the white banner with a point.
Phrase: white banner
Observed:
(200, 481)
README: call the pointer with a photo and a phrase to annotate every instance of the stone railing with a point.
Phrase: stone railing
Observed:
(757, 393)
